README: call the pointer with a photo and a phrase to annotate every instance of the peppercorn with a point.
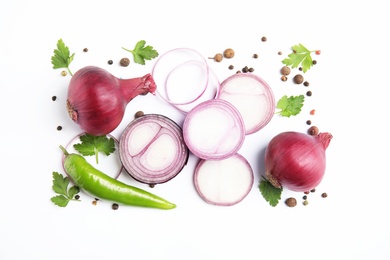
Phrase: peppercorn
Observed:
(94, 202)
(238, 71)
(305, 202)
(291, 202)
(280, 53)
(314, 62)
(263, 39)
(251, 70)
(217, 57)
(110, 62)
(54, 98)
(307, 192)
(231, 67)
(313, 130)
(85, 50)
(283, 78)
(313, 190)
(298, 79)
(308, 122)
(300, 68)
(245, 69)
(139, 114)
(77, 197)
(312, 112)
(255, 56)
(63, 73)
(306, 84)
(228, 53)
(304, 197)
(124, 62)
(324, 195)
(59, 128)
(309, 93)
(115, 206)
(285, 70)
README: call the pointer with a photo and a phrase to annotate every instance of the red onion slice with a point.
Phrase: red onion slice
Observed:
(152, 149)
(110, 165)
(214, 129)
(252, 96)
(224, 182)
(210, 92)
(181, 76)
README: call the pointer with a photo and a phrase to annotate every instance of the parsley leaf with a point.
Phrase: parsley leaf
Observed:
(270, 193)
(92, 145)
(299, 56)
(290, 106)
(62, 57)
(60, 186)
(142, 52)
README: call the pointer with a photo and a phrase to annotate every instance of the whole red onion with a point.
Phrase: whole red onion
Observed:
(97, 100)
(296, 161)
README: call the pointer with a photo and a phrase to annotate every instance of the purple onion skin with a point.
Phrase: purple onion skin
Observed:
(296, 161)
(97, 100)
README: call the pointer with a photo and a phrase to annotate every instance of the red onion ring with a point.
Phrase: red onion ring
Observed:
(172, 61)
(252, 96)
(214, 130)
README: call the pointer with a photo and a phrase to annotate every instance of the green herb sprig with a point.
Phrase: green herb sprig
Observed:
(61, 187)
(142, 52)
(91, 145)
(270, 193)
(62, 57)
(300, 56)
(290, 106)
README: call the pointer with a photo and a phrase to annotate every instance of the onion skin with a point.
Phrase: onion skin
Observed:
(97, 100)
(296, 161)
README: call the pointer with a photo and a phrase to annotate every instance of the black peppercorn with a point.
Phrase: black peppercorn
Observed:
(309, 93)
(54, 98)
(59, 128)
(115, 206)
(110, 62)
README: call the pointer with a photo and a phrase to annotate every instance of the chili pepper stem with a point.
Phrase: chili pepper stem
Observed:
(64, 150)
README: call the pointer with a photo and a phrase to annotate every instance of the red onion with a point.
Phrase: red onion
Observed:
(252, 97)
(152, 149)
(224, 182)
(296, 161)
(97, 100)
(214, 129)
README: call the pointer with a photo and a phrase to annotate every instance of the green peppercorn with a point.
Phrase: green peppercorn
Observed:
(305, 202)
(63, 73)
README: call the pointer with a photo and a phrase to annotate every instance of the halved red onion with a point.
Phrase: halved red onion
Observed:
(224, 182)
(214, 129)
(152, 149)
(252, 96)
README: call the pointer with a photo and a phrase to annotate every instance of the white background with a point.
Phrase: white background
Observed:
(348, 84)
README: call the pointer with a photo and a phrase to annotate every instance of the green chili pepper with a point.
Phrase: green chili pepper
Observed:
(102, 186)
